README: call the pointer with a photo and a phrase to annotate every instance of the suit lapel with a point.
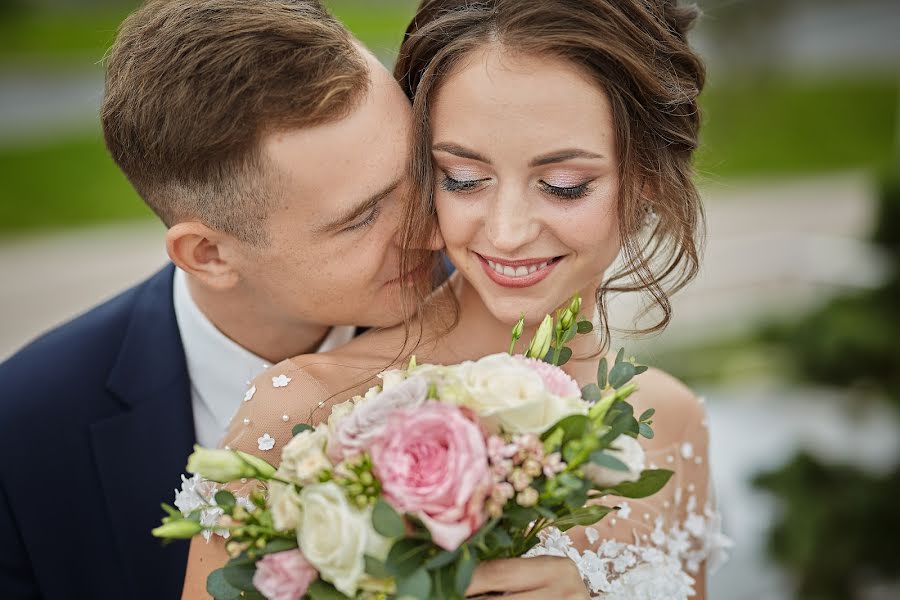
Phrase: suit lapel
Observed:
(141, 451)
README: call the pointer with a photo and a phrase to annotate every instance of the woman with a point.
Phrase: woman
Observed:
(551, 137)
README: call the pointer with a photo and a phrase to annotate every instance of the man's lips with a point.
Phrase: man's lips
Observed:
(517, 273)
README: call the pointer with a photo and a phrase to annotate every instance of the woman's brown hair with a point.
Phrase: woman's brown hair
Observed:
(638, 53)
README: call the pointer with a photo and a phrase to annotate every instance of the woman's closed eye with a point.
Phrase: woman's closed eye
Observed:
(448, 184)
(567, 192)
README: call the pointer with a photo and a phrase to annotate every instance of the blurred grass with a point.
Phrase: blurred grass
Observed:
(59, 34)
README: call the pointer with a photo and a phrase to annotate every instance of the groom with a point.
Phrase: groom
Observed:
(274, 149)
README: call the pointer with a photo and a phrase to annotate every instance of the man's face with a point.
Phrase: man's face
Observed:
(333, 256)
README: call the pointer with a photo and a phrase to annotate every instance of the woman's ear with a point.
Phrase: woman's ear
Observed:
(197, 249)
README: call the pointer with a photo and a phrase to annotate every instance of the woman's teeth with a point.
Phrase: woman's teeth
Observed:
(517, 271)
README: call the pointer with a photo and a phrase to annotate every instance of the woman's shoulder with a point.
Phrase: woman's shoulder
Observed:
(679, 413)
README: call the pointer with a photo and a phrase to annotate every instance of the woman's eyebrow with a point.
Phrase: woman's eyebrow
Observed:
(561, 156)
(460, 151)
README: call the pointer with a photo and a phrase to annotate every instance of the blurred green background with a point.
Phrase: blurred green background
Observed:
(792, 330)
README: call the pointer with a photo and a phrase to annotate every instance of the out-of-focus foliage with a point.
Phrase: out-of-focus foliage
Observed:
(839, 527)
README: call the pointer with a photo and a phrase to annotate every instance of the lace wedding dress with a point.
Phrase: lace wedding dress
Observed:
(655, 548)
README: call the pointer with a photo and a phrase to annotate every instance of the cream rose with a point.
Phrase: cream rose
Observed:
(284, 502)
(506, 393)
(335, 536)
(303, 458)
(629, 451)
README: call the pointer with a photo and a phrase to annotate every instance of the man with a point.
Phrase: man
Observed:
(274, 149)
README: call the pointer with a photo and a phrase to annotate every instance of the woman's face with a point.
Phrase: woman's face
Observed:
(527, 181)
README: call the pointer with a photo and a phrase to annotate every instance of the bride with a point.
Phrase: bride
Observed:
(551, 138)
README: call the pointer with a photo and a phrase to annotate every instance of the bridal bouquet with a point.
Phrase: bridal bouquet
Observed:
(404, 490)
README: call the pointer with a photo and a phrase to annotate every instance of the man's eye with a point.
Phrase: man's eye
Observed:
(370, 219)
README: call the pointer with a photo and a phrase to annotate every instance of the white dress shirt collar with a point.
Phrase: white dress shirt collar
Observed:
(220, 369)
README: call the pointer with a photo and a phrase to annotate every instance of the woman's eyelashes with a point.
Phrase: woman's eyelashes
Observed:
(449, 184)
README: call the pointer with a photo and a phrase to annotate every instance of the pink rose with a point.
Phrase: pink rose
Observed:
(432, 462)
(284, 575)
(356, 432)
(555, 379)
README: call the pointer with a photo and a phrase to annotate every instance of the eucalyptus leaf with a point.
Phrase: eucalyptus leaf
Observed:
(651, 481)
(602, 373)
(240, 576)
(569, 334)
(442, 559)
(587, 515)
(406, 556)
(603, 459)
(376, 568)
(585, 326)
(591, 393)
(640, 369)
(576, 499)
(279, 545)
(225, 500)
(300, 428)
(386, 520)
(499, 538)
(564, 356)
(621, 374)
(319, 590)
(465, 568)
(647, 414)
(646, 431)
(443, 583)
(219, 588)
(572, 427)
(416, 585)
(620, 355)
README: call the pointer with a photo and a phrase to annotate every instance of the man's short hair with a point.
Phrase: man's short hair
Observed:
(191, 88)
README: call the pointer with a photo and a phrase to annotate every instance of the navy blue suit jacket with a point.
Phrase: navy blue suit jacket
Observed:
(95, 429)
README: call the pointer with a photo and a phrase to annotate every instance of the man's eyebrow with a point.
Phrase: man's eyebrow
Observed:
(562, 156)
(460, 151)
(360, 209)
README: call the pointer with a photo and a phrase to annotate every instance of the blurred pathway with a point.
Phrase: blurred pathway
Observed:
(773, 246)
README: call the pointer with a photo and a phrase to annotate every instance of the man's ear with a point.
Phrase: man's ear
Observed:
(198, 250)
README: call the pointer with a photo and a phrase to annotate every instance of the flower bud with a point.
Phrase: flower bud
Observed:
(223, 466)
(540, 343)
(182, 529)
(527, 497)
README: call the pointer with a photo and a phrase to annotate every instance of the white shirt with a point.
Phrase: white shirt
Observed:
(220, 370)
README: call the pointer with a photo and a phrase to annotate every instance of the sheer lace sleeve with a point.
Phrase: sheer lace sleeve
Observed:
(656, 548)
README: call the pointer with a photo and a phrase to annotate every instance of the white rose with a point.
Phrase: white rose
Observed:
(303, 458)
(338, 412)
(504, 392)
(629, 451)
(335, 536)
(392, 378)
(284, 502)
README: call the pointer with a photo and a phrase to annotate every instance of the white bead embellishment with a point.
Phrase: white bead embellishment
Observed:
(266, 442)
(285, 418)
(249, 394)
(227, 447)
(687, 450)
(698, 460)
(246, 421)
(612, 522)
(690, 487)
(670, 459)
(280, 381)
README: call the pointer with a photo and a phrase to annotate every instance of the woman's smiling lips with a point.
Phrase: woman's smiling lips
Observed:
(517, 273)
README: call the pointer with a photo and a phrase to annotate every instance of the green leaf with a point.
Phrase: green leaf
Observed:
(569, 334)
(171, 510)
(499, 538)
(602, 459)
(219, 588)
(279, 545)
(386, 520)
(621, 374)
(587, 515)
(240, 576)
(564, 355)
(651, 481)
(602, 372)
(406, 556)
(376, 568)
(638, 369)
(225, 500)
(591, 393)
(573, 427)
(620, 355)
(576, 499)
(319, 590)
(585, 327)
(416, 585)
(465, 568)
(300, 428)
(646, 431)
(442, 584)
(647, 414)
(518, 516)
(441, 559)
